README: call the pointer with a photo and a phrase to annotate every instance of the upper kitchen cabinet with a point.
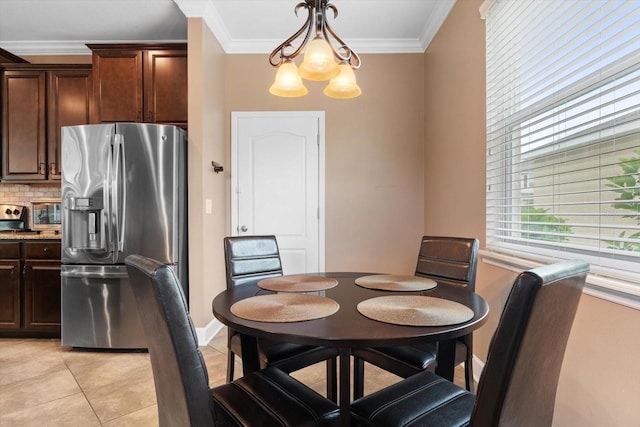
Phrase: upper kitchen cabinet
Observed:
(140, 83)
(37, 100)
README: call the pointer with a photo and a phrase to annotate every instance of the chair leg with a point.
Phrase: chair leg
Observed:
(332, 382)
(468, 363)
(468, 375)
(358, 378)
(230, 365)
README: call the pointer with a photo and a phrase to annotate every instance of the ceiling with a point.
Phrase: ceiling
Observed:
(62, 27)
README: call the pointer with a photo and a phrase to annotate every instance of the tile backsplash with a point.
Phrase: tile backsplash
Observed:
(22, 194)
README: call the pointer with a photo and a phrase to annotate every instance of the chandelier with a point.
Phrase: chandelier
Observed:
(322, 60)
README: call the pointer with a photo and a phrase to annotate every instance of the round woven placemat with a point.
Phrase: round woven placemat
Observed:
(297, 283)
(284, 307)
(415, 310)
(390, 282)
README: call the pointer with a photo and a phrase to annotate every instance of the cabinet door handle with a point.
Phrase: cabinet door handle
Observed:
(150, 116)
(53, 169)
(42, 168)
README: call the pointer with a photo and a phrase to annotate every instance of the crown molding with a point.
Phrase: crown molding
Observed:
(262, 46)
(206, 10)
(48, 47)
(440, 13)
(65, 47)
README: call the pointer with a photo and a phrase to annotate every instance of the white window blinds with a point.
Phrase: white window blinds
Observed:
(563, 133)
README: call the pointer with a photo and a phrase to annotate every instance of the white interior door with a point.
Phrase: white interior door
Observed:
(278, 183)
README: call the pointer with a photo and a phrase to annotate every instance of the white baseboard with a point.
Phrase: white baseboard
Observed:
(207, 333)
(478, 366)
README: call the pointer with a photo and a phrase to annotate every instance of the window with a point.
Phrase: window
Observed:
(563, 134)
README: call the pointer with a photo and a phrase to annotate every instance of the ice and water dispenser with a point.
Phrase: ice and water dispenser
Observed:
(88, 230)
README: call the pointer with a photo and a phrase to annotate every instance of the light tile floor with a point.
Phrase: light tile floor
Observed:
(45, 384)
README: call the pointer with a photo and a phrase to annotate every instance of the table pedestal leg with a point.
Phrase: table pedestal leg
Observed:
(332, 384)
(345, 386)
(446, 359)
(250, 358)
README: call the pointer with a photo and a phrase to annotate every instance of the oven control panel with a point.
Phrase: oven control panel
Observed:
(12, 212)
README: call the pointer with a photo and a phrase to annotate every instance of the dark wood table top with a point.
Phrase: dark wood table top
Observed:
(347, 327)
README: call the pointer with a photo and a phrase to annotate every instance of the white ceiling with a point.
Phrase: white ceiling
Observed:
(39, 27)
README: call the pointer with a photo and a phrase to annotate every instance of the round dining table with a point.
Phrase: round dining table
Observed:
(347, 328)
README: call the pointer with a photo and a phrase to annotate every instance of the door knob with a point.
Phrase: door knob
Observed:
(244, 228)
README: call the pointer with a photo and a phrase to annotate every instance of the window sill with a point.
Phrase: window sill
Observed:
(614, 290)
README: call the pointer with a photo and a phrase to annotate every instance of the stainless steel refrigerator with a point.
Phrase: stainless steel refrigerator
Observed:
(123, 192)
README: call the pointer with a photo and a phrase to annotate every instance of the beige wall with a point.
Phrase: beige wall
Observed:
(599, 383)
(206, 143)
(374, 150)
(455, 127)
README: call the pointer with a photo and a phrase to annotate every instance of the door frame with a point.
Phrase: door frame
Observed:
(320, 116)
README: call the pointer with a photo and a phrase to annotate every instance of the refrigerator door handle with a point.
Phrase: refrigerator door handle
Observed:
(107, 215)
(120, 193)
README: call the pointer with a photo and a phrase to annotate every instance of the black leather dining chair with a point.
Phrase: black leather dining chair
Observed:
(267, 397)
(249, 259)
(520, 379)
(452, 262)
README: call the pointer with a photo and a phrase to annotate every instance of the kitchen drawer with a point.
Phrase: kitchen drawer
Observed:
(42, 250)
(11, 250)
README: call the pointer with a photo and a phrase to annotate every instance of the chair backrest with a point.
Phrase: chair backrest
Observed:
(179, 372)
(520, 379)
(450, 260)
(251, 258)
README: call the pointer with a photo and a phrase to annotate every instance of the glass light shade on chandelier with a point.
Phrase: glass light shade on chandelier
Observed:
(288, 82)
(318, 64)
(344, 85)
(326, 57)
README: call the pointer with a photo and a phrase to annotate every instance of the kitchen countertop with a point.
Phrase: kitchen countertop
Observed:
(29, 236)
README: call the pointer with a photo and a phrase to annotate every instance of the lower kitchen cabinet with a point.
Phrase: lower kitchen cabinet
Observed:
(42, 296)
(30, 288)
(9, 294)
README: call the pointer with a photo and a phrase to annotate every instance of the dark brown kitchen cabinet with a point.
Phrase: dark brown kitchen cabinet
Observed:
(30, 288)
(9, 285)
(9, 294)
(68, 104)
(42, 286)
(140, 83)
(23, 125)
(37, 100)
